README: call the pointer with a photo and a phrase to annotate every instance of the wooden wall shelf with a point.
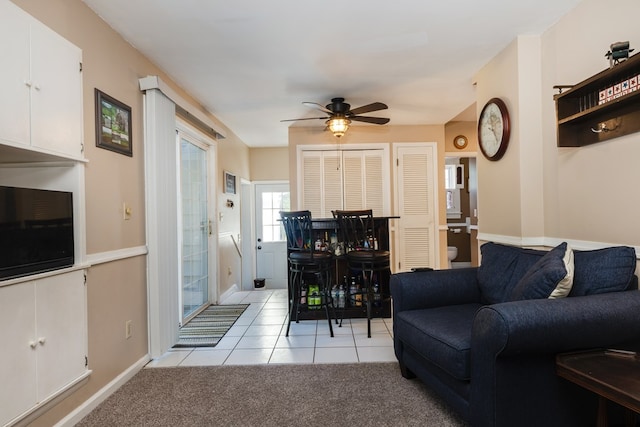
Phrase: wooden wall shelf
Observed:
(588, 113)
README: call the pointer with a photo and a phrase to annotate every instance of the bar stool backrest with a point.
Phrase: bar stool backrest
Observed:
(357, 229)
(299, 231)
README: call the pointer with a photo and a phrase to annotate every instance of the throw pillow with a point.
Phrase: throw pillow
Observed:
(501, 268)
(603, 270)
(551, 277)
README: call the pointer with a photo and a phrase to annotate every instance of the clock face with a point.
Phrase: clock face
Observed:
(460, 141)
(493, 129)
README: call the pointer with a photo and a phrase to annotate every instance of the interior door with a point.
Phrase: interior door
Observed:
(271, 243)
(195, 227)
(416, 237)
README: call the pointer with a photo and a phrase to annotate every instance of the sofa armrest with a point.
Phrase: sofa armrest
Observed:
(553, 326)
(424, 289)
(514, 344)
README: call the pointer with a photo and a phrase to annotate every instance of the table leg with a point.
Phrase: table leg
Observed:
(602, 412)
(630, 418)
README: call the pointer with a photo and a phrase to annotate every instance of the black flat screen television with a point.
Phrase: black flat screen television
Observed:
(36, 231)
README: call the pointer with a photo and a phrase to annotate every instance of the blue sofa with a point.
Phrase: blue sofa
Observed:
(485, 339)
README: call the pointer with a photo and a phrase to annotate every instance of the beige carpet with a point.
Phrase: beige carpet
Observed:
(365, 394)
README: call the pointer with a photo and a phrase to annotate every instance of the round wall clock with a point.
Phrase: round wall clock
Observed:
(460, 142)
(493, 129)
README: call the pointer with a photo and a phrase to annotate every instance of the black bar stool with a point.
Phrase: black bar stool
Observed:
(305, 262)
(361, 251)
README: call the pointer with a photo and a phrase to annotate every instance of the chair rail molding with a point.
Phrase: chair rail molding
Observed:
(549, 242)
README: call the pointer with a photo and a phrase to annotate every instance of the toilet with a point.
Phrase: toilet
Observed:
(452, 253)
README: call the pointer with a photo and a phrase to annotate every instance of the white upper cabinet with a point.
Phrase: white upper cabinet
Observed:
(14, 75)
(56, 92)
(41, 86)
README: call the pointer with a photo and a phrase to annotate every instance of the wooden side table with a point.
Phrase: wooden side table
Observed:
(612, 374)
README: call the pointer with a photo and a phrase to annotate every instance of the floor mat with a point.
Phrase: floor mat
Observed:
(209, 326)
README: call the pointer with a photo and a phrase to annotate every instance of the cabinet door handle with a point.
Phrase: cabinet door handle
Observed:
(33, 344)
(42, 340)
(27, 83)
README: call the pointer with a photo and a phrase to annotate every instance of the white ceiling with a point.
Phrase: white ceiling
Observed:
(252, 62)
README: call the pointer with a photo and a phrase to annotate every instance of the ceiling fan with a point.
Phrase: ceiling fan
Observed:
(340, 115)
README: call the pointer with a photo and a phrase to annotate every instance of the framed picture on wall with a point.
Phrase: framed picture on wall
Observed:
(229, 183)
(113, 124)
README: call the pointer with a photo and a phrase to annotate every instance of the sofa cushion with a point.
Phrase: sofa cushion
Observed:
(441, 335)
(603, 270)
(502, 268)
(550, 277)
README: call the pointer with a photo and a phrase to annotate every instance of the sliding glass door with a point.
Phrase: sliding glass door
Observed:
(195, 227)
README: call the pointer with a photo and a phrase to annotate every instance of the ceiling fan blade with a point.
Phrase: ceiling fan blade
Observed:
(317, 106)
(374, 120)
(375, 106)
(306, 118)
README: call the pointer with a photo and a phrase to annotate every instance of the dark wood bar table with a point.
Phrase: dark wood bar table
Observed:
(612, 374)
(328, 228)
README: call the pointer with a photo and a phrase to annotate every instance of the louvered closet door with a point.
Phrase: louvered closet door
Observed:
(350, 179)
(332, 190)
(363, 181)
(354, 198)
(322, 182)
(416, 207)
(374, 190)
(311, 182)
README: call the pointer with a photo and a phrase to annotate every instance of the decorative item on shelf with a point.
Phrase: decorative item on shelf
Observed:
(619, 52)
(602, 107)
(460, 142)
(618, 89)
(113, 124)
(609, 126)
(494, 129)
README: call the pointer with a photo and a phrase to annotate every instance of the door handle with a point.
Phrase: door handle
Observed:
(259, 247)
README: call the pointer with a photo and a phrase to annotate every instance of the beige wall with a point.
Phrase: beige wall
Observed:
(499, 182)
(117, 290)
(539, 193)
(233, 157)
(269, 164)
(466, 128)
(589, 191)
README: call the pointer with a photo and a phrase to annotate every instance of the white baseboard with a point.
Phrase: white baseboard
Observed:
(232, 290)
(90, 404)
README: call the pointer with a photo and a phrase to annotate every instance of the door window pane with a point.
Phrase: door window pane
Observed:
(272, 204)
(195, 255)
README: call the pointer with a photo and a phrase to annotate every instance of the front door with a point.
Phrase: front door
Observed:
(271, 243)
(195, 227)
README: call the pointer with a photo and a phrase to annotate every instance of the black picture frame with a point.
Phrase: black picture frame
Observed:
(113, 124)
(229, 183)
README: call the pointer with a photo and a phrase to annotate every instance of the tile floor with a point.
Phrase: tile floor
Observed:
(258, 336)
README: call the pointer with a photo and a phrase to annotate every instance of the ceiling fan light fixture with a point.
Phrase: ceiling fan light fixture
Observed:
(338, 125)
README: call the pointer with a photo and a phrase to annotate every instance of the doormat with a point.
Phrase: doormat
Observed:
(209, 326)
